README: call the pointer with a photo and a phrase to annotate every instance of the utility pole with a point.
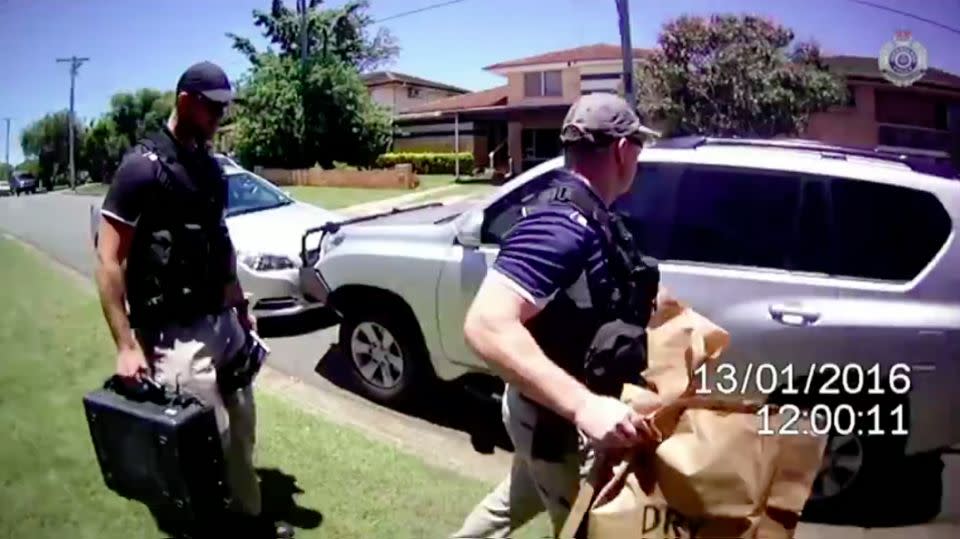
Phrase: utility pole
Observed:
(623, 10)
(302, 6)
(6, 157)
(75, 64)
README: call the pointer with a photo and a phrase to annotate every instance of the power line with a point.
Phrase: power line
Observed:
(418, 10)
(906, 14)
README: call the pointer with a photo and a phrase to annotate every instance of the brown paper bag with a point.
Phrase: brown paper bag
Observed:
(713, 475)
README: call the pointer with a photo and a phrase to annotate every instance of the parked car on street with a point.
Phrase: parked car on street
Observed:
(23, 182)
(265, 225)
(809, 256)
(225, 161)
(5, 189)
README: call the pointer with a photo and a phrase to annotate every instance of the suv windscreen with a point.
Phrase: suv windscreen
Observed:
(248, 193)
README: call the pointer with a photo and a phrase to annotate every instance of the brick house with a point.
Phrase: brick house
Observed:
(923, 118)
(399, 92)
(516, 126)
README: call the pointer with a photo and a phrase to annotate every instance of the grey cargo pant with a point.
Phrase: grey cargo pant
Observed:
(532, 486)
(186, 356)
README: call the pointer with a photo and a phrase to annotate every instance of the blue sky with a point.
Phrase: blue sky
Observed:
(137, 43)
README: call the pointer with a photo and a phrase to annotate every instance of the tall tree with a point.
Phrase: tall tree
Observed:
(345, 32)
(28, 165)
(296, 113)
(134, 114)
(47, 140)
(293, 121)
(102, 149)
(6, 171)
(733, 76)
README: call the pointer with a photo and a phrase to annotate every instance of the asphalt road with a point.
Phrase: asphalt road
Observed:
(59, 225)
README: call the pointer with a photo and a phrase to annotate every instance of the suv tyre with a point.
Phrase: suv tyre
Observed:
(385, 354)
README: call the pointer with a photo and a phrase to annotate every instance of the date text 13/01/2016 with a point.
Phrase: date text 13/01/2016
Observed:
(822, 419)
(816, 379)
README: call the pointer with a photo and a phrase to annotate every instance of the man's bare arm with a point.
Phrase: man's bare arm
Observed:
(233, 292)
(113, 246)
(494, 329)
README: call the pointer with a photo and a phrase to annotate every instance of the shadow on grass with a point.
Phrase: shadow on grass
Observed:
(277, 490)
(470, 405)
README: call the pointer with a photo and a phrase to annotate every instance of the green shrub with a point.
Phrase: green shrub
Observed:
(428, 163)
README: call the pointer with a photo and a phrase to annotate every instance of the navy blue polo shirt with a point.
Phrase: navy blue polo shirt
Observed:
(555, 249)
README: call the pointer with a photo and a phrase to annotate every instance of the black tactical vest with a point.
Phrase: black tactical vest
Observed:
(179, 262)
(604, 346)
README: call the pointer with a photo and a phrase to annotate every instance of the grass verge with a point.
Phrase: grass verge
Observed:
(96, 189)
(341, 197)
(327, 480)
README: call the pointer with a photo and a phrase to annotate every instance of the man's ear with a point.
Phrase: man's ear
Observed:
(619, 146)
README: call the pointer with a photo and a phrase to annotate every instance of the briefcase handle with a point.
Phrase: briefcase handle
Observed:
(146, 389)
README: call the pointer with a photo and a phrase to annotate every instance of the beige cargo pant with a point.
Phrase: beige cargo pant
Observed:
(532, 486)
(186, 357)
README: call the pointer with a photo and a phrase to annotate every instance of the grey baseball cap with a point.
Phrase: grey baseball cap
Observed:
(601, 118)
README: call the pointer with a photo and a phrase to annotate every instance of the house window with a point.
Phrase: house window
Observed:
(851, 97)
(539, 145)
(413, 92)
(543, 84)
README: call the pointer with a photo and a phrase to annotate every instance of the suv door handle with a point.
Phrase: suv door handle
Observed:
(793, 315)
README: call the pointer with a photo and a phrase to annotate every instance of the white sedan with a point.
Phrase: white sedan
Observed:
(266, 226)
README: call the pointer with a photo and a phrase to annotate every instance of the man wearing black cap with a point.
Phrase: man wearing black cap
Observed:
(164, 250)
(554, 283)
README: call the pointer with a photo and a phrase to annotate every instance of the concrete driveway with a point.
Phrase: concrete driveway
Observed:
(465, 435)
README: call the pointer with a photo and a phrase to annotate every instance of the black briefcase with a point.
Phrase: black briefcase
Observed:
(159, 448)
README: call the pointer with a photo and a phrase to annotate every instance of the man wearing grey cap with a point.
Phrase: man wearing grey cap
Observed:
(168, 283)
(555, 282)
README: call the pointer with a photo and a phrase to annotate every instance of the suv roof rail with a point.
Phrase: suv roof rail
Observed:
(829, 151)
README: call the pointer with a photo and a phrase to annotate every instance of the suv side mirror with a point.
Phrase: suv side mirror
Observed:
(468, 231)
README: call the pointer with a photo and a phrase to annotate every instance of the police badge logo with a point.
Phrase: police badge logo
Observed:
(903, 61)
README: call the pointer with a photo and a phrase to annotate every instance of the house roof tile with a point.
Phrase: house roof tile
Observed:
(598, 51)
(376, 78)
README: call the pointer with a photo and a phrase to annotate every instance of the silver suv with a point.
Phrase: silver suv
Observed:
(816, 259)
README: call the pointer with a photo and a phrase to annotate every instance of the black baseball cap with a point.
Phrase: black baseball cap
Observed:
(208, 80)
(601, 118)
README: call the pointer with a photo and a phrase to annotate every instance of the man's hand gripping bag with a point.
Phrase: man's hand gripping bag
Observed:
(713, 475)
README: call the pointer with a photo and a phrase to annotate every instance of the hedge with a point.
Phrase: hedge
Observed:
(428, 163)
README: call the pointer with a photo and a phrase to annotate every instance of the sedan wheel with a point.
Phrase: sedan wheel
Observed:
(377, 355)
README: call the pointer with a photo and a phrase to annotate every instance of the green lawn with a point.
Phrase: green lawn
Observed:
(92, 189)
(54, 348)
(341, 197)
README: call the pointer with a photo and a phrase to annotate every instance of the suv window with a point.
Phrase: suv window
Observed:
(648, 207)
(717, 215)
(884, 231)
